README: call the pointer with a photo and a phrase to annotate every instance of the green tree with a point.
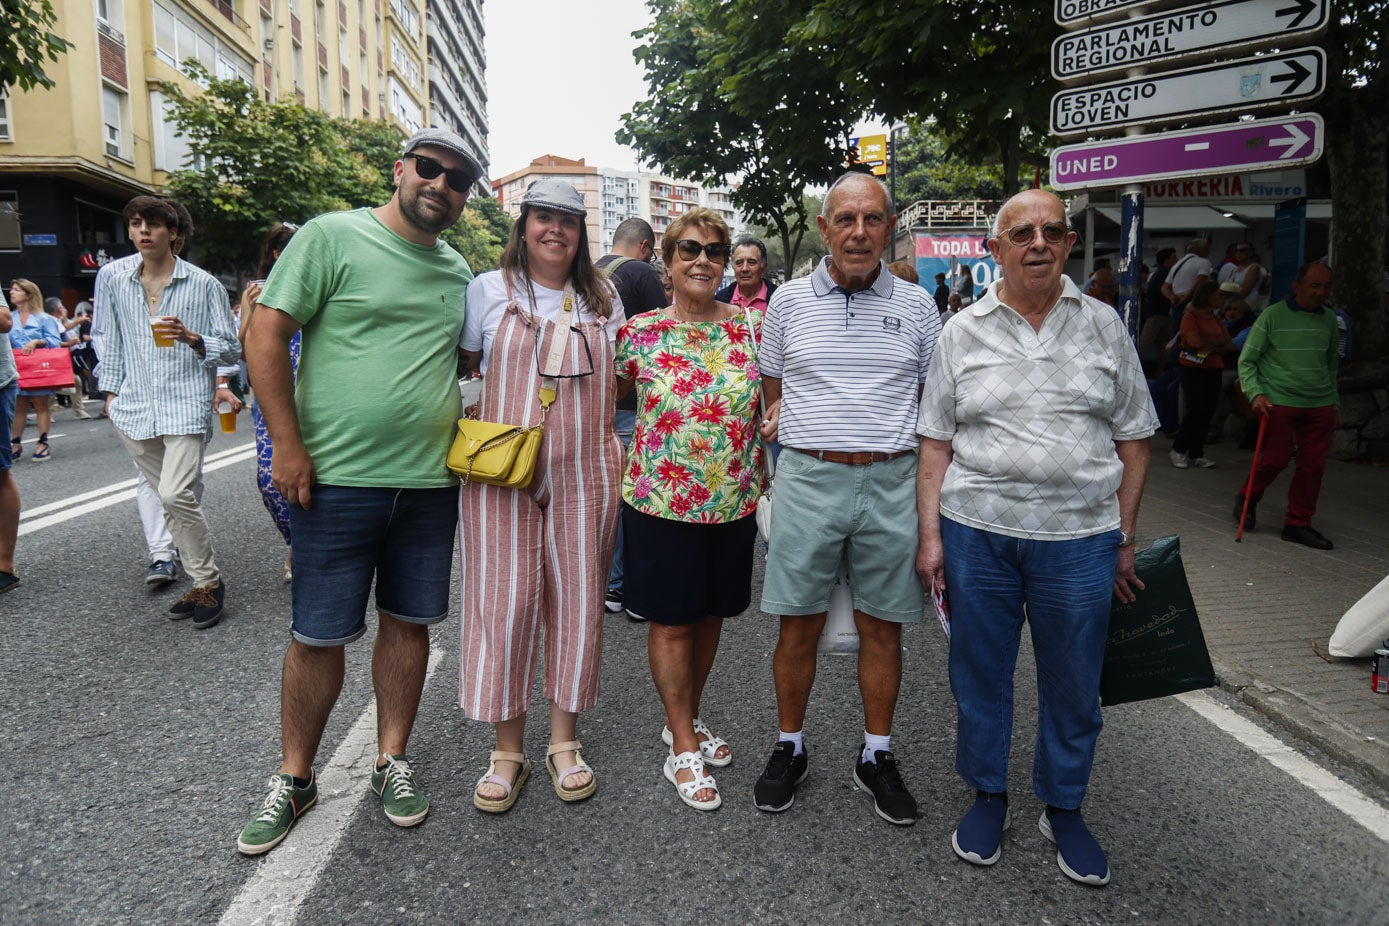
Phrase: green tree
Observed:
(27, 43)
(480, 234)
(255, 162)
(812, 245)
(977, 70)
(926, 171)
(1356, 108)
(721, 105)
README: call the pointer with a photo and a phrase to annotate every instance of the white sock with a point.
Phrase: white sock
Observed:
(872, 744)
(792, 738)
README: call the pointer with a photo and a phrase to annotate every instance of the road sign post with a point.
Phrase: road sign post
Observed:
(1284, 141)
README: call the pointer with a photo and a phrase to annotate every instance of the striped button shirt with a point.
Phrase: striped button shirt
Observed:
(165, 390)
(850, 364)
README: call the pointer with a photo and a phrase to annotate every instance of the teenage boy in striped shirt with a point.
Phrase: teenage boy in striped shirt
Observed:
(161, 396)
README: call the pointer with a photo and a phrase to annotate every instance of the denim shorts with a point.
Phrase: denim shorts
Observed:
(402, 538)
(826, 510)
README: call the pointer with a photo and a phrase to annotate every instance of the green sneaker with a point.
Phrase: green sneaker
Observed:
(405, 801)
(283, 807)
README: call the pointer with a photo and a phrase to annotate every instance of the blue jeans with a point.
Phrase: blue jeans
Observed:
(624, 423)
(1065, 587)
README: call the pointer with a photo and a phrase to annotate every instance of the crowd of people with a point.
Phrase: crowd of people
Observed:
(910, 449)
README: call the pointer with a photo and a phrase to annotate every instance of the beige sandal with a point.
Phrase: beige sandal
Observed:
(557, 777)
(513, 788)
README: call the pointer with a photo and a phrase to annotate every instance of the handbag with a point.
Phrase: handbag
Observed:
(504, 454)
(1155, 646)
(840, 634)
(44, 368)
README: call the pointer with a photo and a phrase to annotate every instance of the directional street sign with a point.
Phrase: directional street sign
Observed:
(1070, 12)
(1245, 85)
(1206, 30)
(1284, 141)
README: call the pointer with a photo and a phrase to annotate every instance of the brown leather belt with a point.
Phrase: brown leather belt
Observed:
(852, 457)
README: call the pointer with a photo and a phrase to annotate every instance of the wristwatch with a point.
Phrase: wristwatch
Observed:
(1126, 540)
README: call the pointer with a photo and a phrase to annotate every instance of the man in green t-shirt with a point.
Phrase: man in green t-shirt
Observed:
(1288, 370)
(359, 448)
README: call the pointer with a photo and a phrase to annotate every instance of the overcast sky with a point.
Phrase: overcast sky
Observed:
(560, 75)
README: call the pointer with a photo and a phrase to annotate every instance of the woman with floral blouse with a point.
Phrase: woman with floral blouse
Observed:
(690, 489)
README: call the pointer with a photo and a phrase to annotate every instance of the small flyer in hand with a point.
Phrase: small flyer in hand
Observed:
(941, 596)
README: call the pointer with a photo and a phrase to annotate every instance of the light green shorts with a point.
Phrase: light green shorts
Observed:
(822, 510)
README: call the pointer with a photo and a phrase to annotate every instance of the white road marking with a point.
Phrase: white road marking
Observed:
(1315, 778)
(287, 876)
(58, 512)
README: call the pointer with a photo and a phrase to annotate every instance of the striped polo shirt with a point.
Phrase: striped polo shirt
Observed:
(850, 364)
(165, 390)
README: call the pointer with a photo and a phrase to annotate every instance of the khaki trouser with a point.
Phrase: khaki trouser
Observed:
(173, 464)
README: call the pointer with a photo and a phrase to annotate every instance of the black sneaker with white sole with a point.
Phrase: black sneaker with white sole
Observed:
(613, 601)
(881, 778)
(775, 791)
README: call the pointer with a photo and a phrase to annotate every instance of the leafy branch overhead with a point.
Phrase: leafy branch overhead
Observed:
(27, 43)
(253, 163)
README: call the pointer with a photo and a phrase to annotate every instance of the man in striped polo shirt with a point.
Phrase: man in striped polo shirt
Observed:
(160, 397)
(844, 352)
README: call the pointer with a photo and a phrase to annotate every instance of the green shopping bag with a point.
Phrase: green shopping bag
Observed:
(1155, 646)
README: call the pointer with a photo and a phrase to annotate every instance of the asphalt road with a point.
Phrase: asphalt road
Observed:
(135, 748)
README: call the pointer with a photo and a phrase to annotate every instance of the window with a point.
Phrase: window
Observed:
(171, 150)
(110, 19)
(178, 37)
(10, 235)
(409, 18)
(404, 108)
(403, 63)
(5, 134)
(113, 104)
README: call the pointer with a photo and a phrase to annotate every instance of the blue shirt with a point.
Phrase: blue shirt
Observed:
(43, 328)
(164, 390)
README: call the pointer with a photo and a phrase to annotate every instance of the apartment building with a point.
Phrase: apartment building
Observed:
(585, 179)
(71, 156)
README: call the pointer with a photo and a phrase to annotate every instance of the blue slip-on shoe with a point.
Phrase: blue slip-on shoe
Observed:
(979, 836)
(1077, 853)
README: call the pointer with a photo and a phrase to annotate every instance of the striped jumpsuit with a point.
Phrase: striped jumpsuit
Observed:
(536, 559)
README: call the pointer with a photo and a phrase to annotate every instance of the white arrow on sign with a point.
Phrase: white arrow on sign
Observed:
(1251, 84)
(1206, 30)
(1294, 142)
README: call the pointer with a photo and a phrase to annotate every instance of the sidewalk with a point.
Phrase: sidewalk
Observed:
(1268, 607)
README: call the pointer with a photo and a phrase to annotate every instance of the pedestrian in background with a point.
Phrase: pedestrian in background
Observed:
(535, 560)
(1034, 449)
(170, 327)
(1201, 359)
(276, 239)
(32, 329)
(690, 490)
(9, 489)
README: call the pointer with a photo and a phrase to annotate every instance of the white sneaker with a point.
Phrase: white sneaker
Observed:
(1179, 460)
(1203, 462)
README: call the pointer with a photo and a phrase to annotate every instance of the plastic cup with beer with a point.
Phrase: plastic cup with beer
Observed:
(162, 338)
(224, 410)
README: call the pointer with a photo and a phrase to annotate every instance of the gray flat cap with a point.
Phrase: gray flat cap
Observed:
(443, 138)
(551, 193)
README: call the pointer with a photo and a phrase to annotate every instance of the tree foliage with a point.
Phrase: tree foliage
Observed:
(925, 170)
(254, 163)
(721, 106)
(27, 43)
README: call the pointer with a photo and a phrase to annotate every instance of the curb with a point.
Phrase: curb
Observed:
(1307, 721)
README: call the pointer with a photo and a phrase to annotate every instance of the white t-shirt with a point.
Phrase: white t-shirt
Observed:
(487, 302)
(1184, 273)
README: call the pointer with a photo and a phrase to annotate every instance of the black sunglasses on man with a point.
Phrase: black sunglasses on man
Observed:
(459, 180)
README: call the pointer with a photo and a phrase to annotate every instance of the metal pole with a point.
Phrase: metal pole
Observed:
(1131, 258)
(892, 187)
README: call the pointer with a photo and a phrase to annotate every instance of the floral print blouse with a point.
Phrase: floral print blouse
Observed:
(695, 455)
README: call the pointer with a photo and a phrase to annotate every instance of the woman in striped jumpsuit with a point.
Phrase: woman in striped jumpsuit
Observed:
(534, 561)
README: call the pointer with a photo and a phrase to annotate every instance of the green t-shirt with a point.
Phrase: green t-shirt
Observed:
(377, 389)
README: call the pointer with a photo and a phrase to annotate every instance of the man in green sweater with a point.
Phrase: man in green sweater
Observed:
(1288, 371)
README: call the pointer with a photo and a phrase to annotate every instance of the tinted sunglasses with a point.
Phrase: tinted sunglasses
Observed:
(459, 180)
(1024, 235)
(716, 251)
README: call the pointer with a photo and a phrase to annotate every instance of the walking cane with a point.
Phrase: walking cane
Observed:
(1249, 486)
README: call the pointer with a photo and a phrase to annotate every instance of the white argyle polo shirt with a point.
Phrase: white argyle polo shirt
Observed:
(1033, 416)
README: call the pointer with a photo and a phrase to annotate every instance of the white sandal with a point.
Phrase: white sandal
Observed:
(688, 789)
(708, 748)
